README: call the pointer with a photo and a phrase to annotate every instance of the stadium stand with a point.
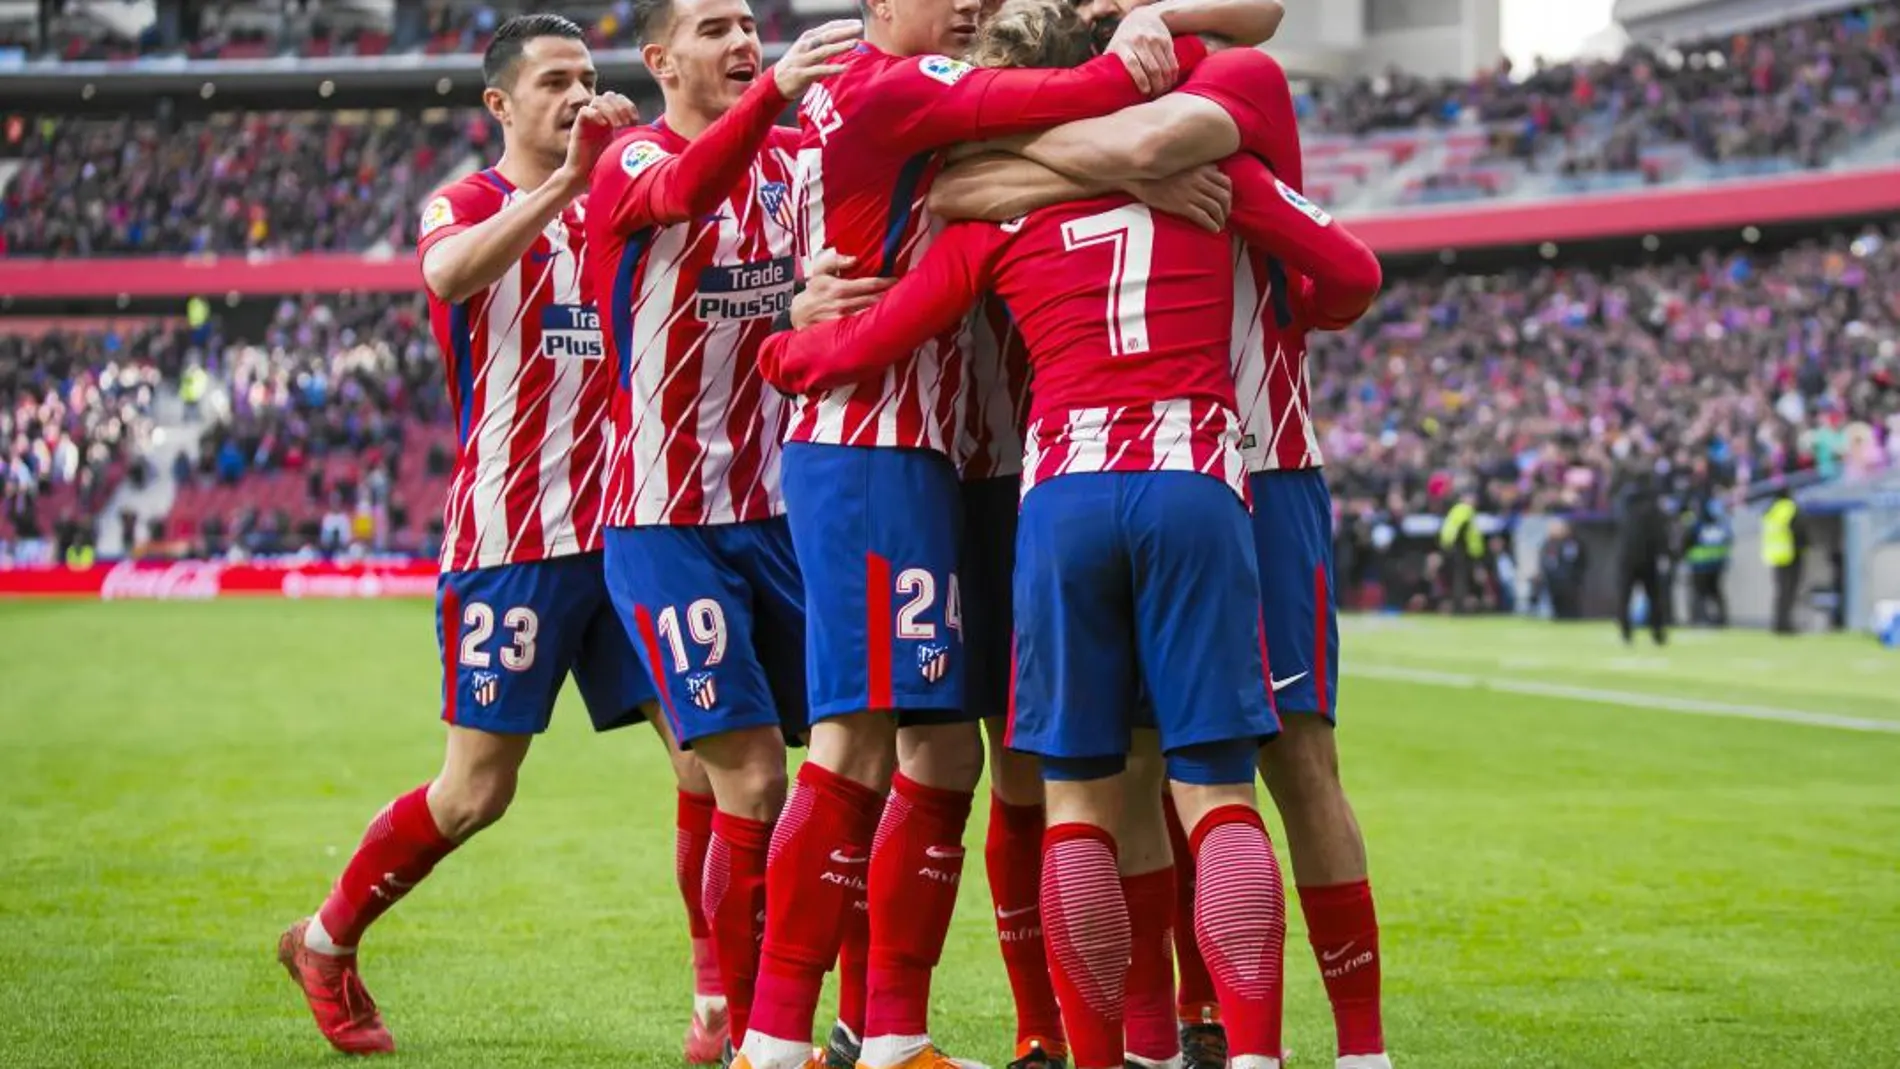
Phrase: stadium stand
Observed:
(1537, 381)
(1797, 96)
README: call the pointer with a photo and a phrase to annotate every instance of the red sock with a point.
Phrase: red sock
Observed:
(1195, 1000)
(401, 847)
(1150, 1002)
(916, 864)
(1344, 931)
(1012, 854)
(820, 853)
(1085, 921)
(1240, 922)
(735, 903)
(692, 834)
(854, 959)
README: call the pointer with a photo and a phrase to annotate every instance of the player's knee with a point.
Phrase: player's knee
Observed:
(1303, 761)
(1015, 777)
(689, 773)
(747, 771)
(861, 747)
(465, 805)
(945, 756)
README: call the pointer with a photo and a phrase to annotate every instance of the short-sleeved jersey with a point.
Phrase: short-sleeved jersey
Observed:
(530, 387)
(871, 140)
(998, 395)
(1125, 313)
(687, 293)
(1270, 372)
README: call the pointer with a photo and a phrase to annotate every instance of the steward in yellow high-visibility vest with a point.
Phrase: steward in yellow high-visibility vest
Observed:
(1461, 526)
(1781, 544)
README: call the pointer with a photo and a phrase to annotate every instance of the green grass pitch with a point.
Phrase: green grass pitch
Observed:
(1563, 882)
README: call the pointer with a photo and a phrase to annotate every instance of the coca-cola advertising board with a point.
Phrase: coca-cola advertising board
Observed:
(204, 580)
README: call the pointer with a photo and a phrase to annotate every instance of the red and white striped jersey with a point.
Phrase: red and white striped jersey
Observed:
(1269, 362)
(871, 138)
(692, 246)
(998, 396)
(1125, 313)
(1270, 376)
(530, 389)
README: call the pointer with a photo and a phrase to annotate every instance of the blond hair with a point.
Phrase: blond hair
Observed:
(1033, 33)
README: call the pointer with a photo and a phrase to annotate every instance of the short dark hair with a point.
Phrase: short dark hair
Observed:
(650, 19)
(504, 49)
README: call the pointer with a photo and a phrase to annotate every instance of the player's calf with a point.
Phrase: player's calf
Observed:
(1012, 856)
(1240, 906)
(1301, 768)
(1148, 885)
(1085, 917)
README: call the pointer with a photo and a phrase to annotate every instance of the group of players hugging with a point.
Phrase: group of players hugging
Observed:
(1044, 473)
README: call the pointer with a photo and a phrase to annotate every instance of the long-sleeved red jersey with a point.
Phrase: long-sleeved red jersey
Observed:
(1127, 314)
(691, 249)
(871, 141)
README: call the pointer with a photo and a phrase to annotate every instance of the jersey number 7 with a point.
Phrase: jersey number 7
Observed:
(1128, 231)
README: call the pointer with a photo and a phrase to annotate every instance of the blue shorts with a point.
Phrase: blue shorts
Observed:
(987, 571)
(876, 532)
(718, 613)
(1126, 580)
(1293, 535)
(508, 635)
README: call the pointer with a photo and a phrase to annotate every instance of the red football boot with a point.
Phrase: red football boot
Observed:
(345, 1013)
(706, 1036)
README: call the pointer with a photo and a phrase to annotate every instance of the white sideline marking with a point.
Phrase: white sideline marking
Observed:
(1690, 706)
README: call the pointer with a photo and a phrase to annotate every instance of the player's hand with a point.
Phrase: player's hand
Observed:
(1202, 196)
(593, 129)
(1143, 43)
(828, 296)
(809, 58)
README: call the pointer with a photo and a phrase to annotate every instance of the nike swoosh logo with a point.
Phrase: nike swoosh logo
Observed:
(942, 853)
(1005, 914)
(1329, 958)
(839, 857)
(1281, 684)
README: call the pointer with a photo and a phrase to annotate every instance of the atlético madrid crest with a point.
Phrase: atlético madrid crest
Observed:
(486, 687)
(777, 201)
(933, 662)
(701, 688)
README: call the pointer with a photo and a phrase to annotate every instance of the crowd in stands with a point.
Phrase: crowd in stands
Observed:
(1535, 390)
(303, 28)
(232, 183)
(75, 412)
(1792, 95)
(333, 434)
(1540, 388)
